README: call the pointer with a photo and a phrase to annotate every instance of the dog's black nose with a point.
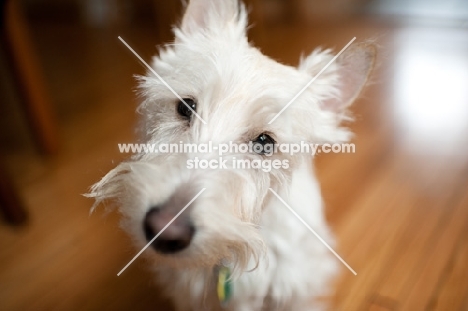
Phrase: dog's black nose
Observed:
(176, 237)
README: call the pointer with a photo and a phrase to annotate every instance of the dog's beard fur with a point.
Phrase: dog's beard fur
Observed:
(238, 91)
(227, 216)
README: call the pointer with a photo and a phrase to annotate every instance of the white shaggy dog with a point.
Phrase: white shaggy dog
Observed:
(237, 240)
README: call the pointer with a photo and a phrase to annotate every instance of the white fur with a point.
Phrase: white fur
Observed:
(278, 264)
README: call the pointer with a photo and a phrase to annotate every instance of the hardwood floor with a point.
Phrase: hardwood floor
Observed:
(399, 205)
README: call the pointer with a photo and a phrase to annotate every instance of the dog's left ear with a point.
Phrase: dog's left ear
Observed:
(205, 14)
(349, 73)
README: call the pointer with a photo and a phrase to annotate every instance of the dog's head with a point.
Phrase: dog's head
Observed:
(214, 87)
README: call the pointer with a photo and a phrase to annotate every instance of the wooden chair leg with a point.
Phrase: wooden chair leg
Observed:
(26, 71)
(10, 203)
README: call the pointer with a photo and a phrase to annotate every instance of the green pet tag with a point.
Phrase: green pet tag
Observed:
(224, 286)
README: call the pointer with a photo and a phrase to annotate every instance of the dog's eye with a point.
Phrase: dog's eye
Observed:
(183, 110)
(264, 144)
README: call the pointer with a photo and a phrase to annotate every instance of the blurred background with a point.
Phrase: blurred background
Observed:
(399, 205)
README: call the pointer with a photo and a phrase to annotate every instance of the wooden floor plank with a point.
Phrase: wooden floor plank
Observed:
(450, 292)
(368, 239)
(439, 250)
(424, 228)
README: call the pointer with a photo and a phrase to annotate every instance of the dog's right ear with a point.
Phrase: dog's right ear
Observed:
(204, 14)
(336, 89)
(352, 68)
(355, 65)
